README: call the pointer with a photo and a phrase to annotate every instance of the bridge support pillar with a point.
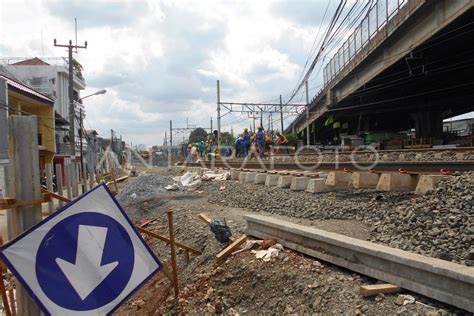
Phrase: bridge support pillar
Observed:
(428, 124)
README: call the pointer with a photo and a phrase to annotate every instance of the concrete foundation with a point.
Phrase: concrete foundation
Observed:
(338, 179)
(284, 181)
(397, 182)
(317, 186)
(428, 183)
(250, 177)
(243, 176)
(260, 178)
(299, 183)
(272, 180)
(365, 180)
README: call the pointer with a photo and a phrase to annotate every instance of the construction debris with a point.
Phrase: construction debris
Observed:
(268, 254)
(404, 299)
(229, 249)
(375, 289)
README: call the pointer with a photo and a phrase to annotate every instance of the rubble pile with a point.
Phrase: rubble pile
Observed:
(145, 186)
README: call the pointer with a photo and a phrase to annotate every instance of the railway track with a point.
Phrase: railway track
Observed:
(409, 166)
(386, 151)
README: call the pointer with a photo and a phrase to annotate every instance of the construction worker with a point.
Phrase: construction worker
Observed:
(188, 155)
(194, 153)
(202, 149)
(238, 146)
(228, 148)
(260, 139)
(246, 142)
(281, 140)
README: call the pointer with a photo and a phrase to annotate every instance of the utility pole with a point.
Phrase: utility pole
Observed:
(82, 157)
(112, 140)
(171, 133)
(307, 113)
(218, 114)
(211, 124)
(72, 113)
(281, 115)
(261, 117)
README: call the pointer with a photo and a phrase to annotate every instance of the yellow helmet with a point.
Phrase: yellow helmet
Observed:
(189, 146)
(245, 129)
(260, 127)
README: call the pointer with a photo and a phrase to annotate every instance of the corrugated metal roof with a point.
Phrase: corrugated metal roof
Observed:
(26, 89)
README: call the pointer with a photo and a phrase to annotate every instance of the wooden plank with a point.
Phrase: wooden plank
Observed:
(374, 289)
(163, 238)
(230, 249)
(22, 203)
(57, 196)
(49, 184)
(204, 218)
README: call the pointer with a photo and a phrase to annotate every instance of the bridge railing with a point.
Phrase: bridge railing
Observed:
(377, 17)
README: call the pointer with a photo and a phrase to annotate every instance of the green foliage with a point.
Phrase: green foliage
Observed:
(292, 139)
(198, 135)
(225, 135)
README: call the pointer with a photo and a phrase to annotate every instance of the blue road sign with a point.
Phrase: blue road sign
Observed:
(86, 257)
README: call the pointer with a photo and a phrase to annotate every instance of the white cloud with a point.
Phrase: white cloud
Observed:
(160, 60)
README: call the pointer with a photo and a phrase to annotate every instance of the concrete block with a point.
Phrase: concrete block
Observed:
(397, 182)
(250, 177)
(299, 183)
(243, 176)
(318, 186)
(284, 181)
(365, 180)
(428, 183)
(272, 180)
(260, 178)
(235, 175)
(338, 179)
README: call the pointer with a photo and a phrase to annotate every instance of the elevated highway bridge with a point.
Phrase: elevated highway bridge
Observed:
(409, 65)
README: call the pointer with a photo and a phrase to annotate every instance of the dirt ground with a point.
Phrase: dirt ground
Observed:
(290, 283)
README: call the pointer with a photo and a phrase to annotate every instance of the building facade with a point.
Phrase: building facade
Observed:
(51, 77)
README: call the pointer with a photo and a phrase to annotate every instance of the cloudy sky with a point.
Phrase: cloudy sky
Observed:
(159, 60)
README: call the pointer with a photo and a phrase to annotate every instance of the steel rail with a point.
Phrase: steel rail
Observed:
(409, 166)
(441, 280)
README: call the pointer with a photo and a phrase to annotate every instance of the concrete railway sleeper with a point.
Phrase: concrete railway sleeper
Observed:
(409, 166)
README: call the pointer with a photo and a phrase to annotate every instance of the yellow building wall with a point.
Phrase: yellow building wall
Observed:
(23, 105)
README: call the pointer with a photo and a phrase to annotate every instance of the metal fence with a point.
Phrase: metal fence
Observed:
(377, 17)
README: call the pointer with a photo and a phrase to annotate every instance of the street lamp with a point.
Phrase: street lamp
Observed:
(103, 91)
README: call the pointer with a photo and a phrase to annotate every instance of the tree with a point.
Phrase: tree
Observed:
(292, 139)
(198, 135)
(225, 135)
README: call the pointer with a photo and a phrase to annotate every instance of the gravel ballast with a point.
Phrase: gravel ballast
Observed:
(439, 224)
